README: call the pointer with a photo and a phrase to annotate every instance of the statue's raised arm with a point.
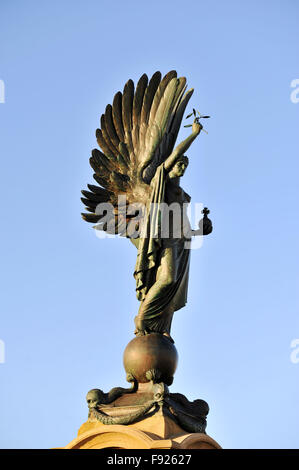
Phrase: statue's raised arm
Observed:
(183, 146)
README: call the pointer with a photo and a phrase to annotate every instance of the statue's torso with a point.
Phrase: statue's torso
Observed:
(177, 201)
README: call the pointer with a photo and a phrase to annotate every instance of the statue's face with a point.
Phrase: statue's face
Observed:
(179, 168)
(93, 398)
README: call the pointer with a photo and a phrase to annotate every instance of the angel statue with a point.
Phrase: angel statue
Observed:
(139, 167)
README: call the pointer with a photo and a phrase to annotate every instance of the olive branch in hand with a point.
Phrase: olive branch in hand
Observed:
(195, 112)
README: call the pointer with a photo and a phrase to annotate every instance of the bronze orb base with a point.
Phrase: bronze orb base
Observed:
(151, 357)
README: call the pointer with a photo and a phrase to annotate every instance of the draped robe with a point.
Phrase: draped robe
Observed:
(158, 312)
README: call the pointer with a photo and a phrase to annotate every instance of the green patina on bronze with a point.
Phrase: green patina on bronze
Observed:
(191, 416)
(138, 173)
(139, 162)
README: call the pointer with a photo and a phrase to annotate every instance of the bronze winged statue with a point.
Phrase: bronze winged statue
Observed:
(139, 168)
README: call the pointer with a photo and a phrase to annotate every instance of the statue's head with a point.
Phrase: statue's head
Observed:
(179, 167)
(94, 398)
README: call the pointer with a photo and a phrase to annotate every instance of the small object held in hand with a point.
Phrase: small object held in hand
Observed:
(205, 224)
(205, 212)
(196, 118)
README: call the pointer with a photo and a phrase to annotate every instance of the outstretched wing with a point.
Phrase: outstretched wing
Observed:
(138, 132)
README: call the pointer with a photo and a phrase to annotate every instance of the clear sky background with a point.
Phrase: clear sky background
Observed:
(68, 298)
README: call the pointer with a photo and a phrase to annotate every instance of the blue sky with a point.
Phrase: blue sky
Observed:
(68, 298)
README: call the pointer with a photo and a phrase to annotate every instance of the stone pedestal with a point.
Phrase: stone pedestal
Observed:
(155, 432)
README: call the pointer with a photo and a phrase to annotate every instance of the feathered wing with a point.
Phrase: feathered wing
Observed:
(138, 132)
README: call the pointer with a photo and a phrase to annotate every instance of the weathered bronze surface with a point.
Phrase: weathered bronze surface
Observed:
(139, 174)
(139, 196)
(191, 416)
(151, 357)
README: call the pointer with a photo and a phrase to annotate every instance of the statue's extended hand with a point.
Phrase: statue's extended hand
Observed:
(196, 127)
(205, 227)
(205, 224)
